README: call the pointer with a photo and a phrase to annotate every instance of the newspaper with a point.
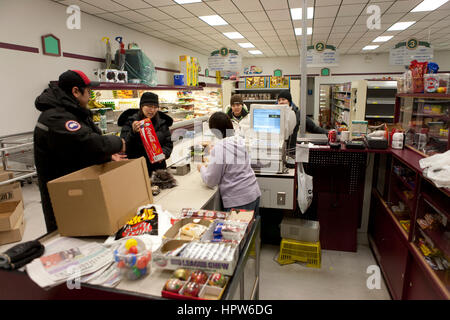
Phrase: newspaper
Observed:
(70, 264)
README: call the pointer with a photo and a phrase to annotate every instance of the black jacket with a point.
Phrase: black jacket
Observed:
(66, 140)
(60, 150)
(135, 149)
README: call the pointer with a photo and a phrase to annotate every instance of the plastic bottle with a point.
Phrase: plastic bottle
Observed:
(397, 140)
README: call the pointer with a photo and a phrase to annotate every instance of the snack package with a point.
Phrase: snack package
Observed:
(193, 230)
(418, 70)
(145, 222)
(150, 141)
(203, 214)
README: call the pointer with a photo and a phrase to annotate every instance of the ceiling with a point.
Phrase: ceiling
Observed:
(267, 24)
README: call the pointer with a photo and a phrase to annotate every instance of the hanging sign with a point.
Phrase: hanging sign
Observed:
(322, 55)
(405, 52)
(225, 60)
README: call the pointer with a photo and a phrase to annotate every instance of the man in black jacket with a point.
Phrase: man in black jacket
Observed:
(66, 138)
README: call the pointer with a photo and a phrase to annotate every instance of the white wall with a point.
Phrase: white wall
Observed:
(25, 75)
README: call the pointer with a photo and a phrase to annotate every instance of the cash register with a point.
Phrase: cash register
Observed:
(266, 138)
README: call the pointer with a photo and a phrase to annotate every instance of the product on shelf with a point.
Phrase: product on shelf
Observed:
(144, 222)
(133, 259)
(418, 70)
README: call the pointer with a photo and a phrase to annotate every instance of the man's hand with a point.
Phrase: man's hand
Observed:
(118, 157)
(136, 126)
(124, 146)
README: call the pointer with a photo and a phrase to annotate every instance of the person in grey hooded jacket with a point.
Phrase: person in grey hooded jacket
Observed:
(229, 167)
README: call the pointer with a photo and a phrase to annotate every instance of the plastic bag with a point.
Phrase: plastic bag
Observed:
(305, 189)
(139, 66)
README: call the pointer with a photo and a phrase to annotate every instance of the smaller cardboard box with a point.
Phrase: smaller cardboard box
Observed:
(11, 192)
(15, 234)
(99, 200)
(5, 175)
(10, 213)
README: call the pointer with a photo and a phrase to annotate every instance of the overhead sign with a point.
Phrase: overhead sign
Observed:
(225, 60)
(405, 52)
(322, 55)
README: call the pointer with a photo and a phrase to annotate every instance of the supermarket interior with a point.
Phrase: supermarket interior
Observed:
(225, 149)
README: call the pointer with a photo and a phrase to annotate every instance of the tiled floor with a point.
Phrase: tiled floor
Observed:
(343, 275)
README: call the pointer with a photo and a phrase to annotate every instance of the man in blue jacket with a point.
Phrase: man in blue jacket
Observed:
(66, 138)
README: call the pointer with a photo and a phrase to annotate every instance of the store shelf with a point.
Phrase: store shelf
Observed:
(382, 85)
(425, 95)
(436, 207)
(404, 182)
(381, 101)
(132, 86)
(438, 239)
(98, 109)
(379, 117)
(261, 89)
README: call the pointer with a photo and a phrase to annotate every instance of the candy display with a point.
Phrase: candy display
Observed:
(193, 230)
(437, 82)
(205, 214)
(150, 141)
(133, 259)
(191, 289)
(145, 222)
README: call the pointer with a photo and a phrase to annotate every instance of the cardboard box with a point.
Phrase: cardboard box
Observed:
(175, 262)
(5, 175)
(174, 231)
(11, 192)
(15, 234)
(99, 200)
(10, 213)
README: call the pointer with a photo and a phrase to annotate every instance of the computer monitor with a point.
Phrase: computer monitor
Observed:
(268, 120)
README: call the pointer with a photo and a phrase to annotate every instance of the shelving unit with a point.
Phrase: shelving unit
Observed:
(340, 104)
(425, 118)
(409, 259)
(380, 101)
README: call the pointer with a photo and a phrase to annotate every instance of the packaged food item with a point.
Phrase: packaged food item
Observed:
(199, 277)
(173, 285)
(204, 214)
(192, 289)
(145, 222)
(217, 280)
(437, 82)
(418, 70)
(150, 141)
(193, 230)
(181, 274)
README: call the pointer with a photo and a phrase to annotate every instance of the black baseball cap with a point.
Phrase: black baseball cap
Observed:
(75, 78)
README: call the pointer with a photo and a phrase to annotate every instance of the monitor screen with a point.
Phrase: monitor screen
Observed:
(267, 120)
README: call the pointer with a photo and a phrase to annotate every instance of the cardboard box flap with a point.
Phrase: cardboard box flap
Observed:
(5, 175)
(15, 234)
(10, 213)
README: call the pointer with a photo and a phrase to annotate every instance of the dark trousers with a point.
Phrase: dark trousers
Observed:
(49, 216)
(249, 206)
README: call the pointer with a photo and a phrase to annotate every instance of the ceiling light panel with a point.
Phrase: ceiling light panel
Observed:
(297, 13)
(429, 5)
(233, 35)
(246, 45)
(187, 1)
(401, 26)
(298, 31)
(383, 38)
(371, 47)
(255, 52)
(214, 20)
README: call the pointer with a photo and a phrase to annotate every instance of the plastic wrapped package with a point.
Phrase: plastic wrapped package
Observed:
(139, 66)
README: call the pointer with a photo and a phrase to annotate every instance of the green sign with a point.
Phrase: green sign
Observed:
(320, 46)
(224, 52)
(51, 45)
(277, 73)
(412, 44)
(325, 72)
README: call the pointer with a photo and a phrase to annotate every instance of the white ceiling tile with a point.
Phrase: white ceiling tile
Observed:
(355, 1)
(340, 29)
(392, 17)
(176, 11)
(223, 6)
(173, 23)
(156, 25)
(322, 30)
(324, 3)
(199, 9)
(114, 18)
(233, 18)
(262, 26)
(138, 27)
(155, 14)
(403, 6)
(352, 10)
(243, 26)
(323, 22)
(299, 3)
(345, 21)
(194, 22)
(256, 16)
(268, 33)
(248, 5)
(174, 33)
(272, 5)
(161, 3)
(279, 15)
(85, 7)
(282, 24)
(299, 23)
(133, 16)
(226, 28)
(207, 30)
(107, 5)
(433, 16)
(135, 4)
(325, 12)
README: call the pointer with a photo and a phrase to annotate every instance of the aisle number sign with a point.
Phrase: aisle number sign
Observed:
(322, 55)
(225, 60)
(412, 49)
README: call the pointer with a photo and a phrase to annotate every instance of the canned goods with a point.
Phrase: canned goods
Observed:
(332, 136)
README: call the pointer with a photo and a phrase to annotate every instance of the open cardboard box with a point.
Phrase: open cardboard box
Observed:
(11, 191)
(100, 199)
(15, 234)
(162, 259)
(175, 231)
(10, 213)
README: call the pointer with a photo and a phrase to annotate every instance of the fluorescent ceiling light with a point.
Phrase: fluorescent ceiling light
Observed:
(429, 5)
(297, 13)
(246, 45)
(401, 26)
(214, 20)
(186, 1)
(383, 39)
(233, 35)
(255, 52)
(298, 31)
(370, 47)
